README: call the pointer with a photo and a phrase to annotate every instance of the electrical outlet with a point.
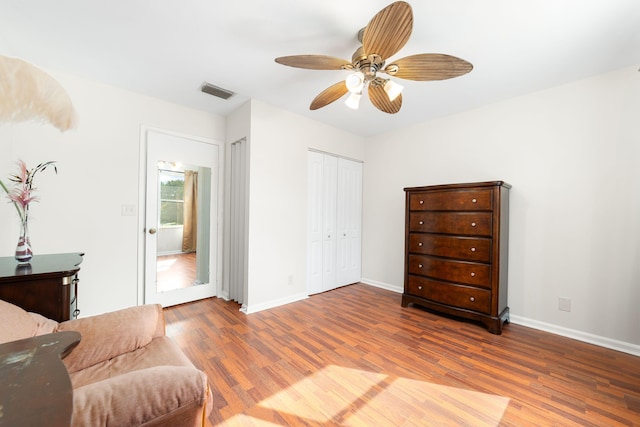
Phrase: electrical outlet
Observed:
(290, 280)
(564, 304)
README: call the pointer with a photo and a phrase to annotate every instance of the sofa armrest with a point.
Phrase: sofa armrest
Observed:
(110, 334)
(159, 396)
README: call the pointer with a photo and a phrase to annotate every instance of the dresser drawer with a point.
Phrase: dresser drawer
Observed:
(461, 200)
(465, 223)
(471, 273)
(468, 248)
(451, 294)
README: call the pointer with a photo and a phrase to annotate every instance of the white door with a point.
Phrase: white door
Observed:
(329, 242)
(314, 222)
(349, 222)
(334, 222)
(181, 218)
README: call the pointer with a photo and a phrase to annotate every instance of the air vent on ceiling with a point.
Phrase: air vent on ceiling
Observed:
(216, 91)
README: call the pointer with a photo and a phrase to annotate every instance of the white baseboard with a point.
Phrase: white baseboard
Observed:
(254, 308)
(382, 285)
(622, 346)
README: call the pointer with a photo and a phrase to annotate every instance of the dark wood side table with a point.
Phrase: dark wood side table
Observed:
(35, 388)
(48, 285)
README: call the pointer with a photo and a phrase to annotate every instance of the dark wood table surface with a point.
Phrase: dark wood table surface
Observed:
(40, 265)
(35, 389)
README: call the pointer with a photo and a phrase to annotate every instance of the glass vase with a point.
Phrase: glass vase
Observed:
(23, 250)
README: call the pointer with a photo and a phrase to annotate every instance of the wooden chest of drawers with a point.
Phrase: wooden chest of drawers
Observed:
(48, 285)
(456, 250)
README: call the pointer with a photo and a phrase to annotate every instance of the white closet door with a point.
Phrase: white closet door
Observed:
(329, 241)
(334, 222)
(349, 222)
(314, 222)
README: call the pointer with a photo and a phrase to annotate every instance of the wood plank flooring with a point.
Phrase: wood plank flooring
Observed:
(354, 356)
(176, 271)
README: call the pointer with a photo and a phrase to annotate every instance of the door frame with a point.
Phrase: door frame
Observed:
(142, 214)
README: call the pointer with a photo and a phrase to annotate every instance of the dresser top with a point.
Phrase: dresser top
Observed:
(40, 265)
(461, 186)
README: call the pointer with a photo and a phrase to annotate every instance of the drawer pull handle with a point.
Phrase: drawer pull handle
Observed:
(473, 249)
(474, 201)
(421, 222)
(419, 265)
(419, 243)
(419, 288)
(472, 299)
(422, 202)
(473, 274)
(473, 224)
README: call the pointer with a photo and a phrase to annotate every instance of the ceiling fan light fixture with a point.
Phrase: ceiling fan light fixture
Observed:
(353, 101)
(355, 82)
(392, 89)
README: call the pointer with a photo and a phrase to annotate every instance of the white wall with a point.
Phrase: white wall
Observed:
(80, 208)
(571, 154)
(278, 199)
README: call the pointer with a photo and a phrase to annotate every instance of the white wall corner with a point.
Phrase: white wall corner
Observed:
(389, 287)
(254, 308)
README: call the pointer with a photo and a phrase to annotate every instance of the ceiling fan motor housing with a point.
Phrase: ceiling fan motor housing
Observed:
(368, 65)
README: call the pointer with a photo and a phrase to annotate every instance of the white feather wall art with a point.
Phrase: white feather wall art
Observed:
(28, 93)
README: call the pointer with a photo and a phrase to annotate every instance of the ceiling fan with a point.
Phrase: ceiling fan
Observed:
(386, 34)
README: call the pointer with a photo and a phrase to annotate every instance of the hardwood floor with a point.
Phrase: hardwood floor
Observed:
(353, 356)
(176, 271)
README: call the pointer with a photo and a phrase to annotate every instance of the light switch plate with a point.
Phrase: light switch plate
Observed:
(128, 210)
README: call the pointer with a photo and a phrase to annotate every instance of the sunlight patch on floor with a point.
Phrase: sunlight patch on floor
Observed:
(174, 329)
(344, 396)
(165, 264)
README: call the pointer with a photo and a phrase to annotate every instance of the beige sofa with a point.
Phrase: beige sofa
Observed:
(125, 371)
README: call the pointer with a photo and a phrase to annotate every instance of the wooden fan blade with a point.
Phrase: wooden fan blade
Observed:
(430, 66)
(329, 95)
(314, 62)
(380, 100)
(389, 30)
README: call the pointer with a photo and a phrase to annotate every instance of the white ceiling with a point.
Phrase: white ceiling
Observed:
(168, 48)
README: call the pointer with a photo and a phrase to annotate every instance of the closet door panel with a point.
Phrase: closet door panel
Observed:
(349, 222)
(315, 245)
(329, 201)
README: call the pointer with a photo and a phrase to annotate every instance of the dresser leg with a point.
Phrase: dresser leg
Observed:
(494, 326)
(405, 301)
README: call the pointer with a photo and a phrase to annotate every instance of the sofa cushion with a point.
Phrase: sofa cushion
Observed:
(15, 323)
(159, 352)
(172, 393)
(111, 334)
(44, 325)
